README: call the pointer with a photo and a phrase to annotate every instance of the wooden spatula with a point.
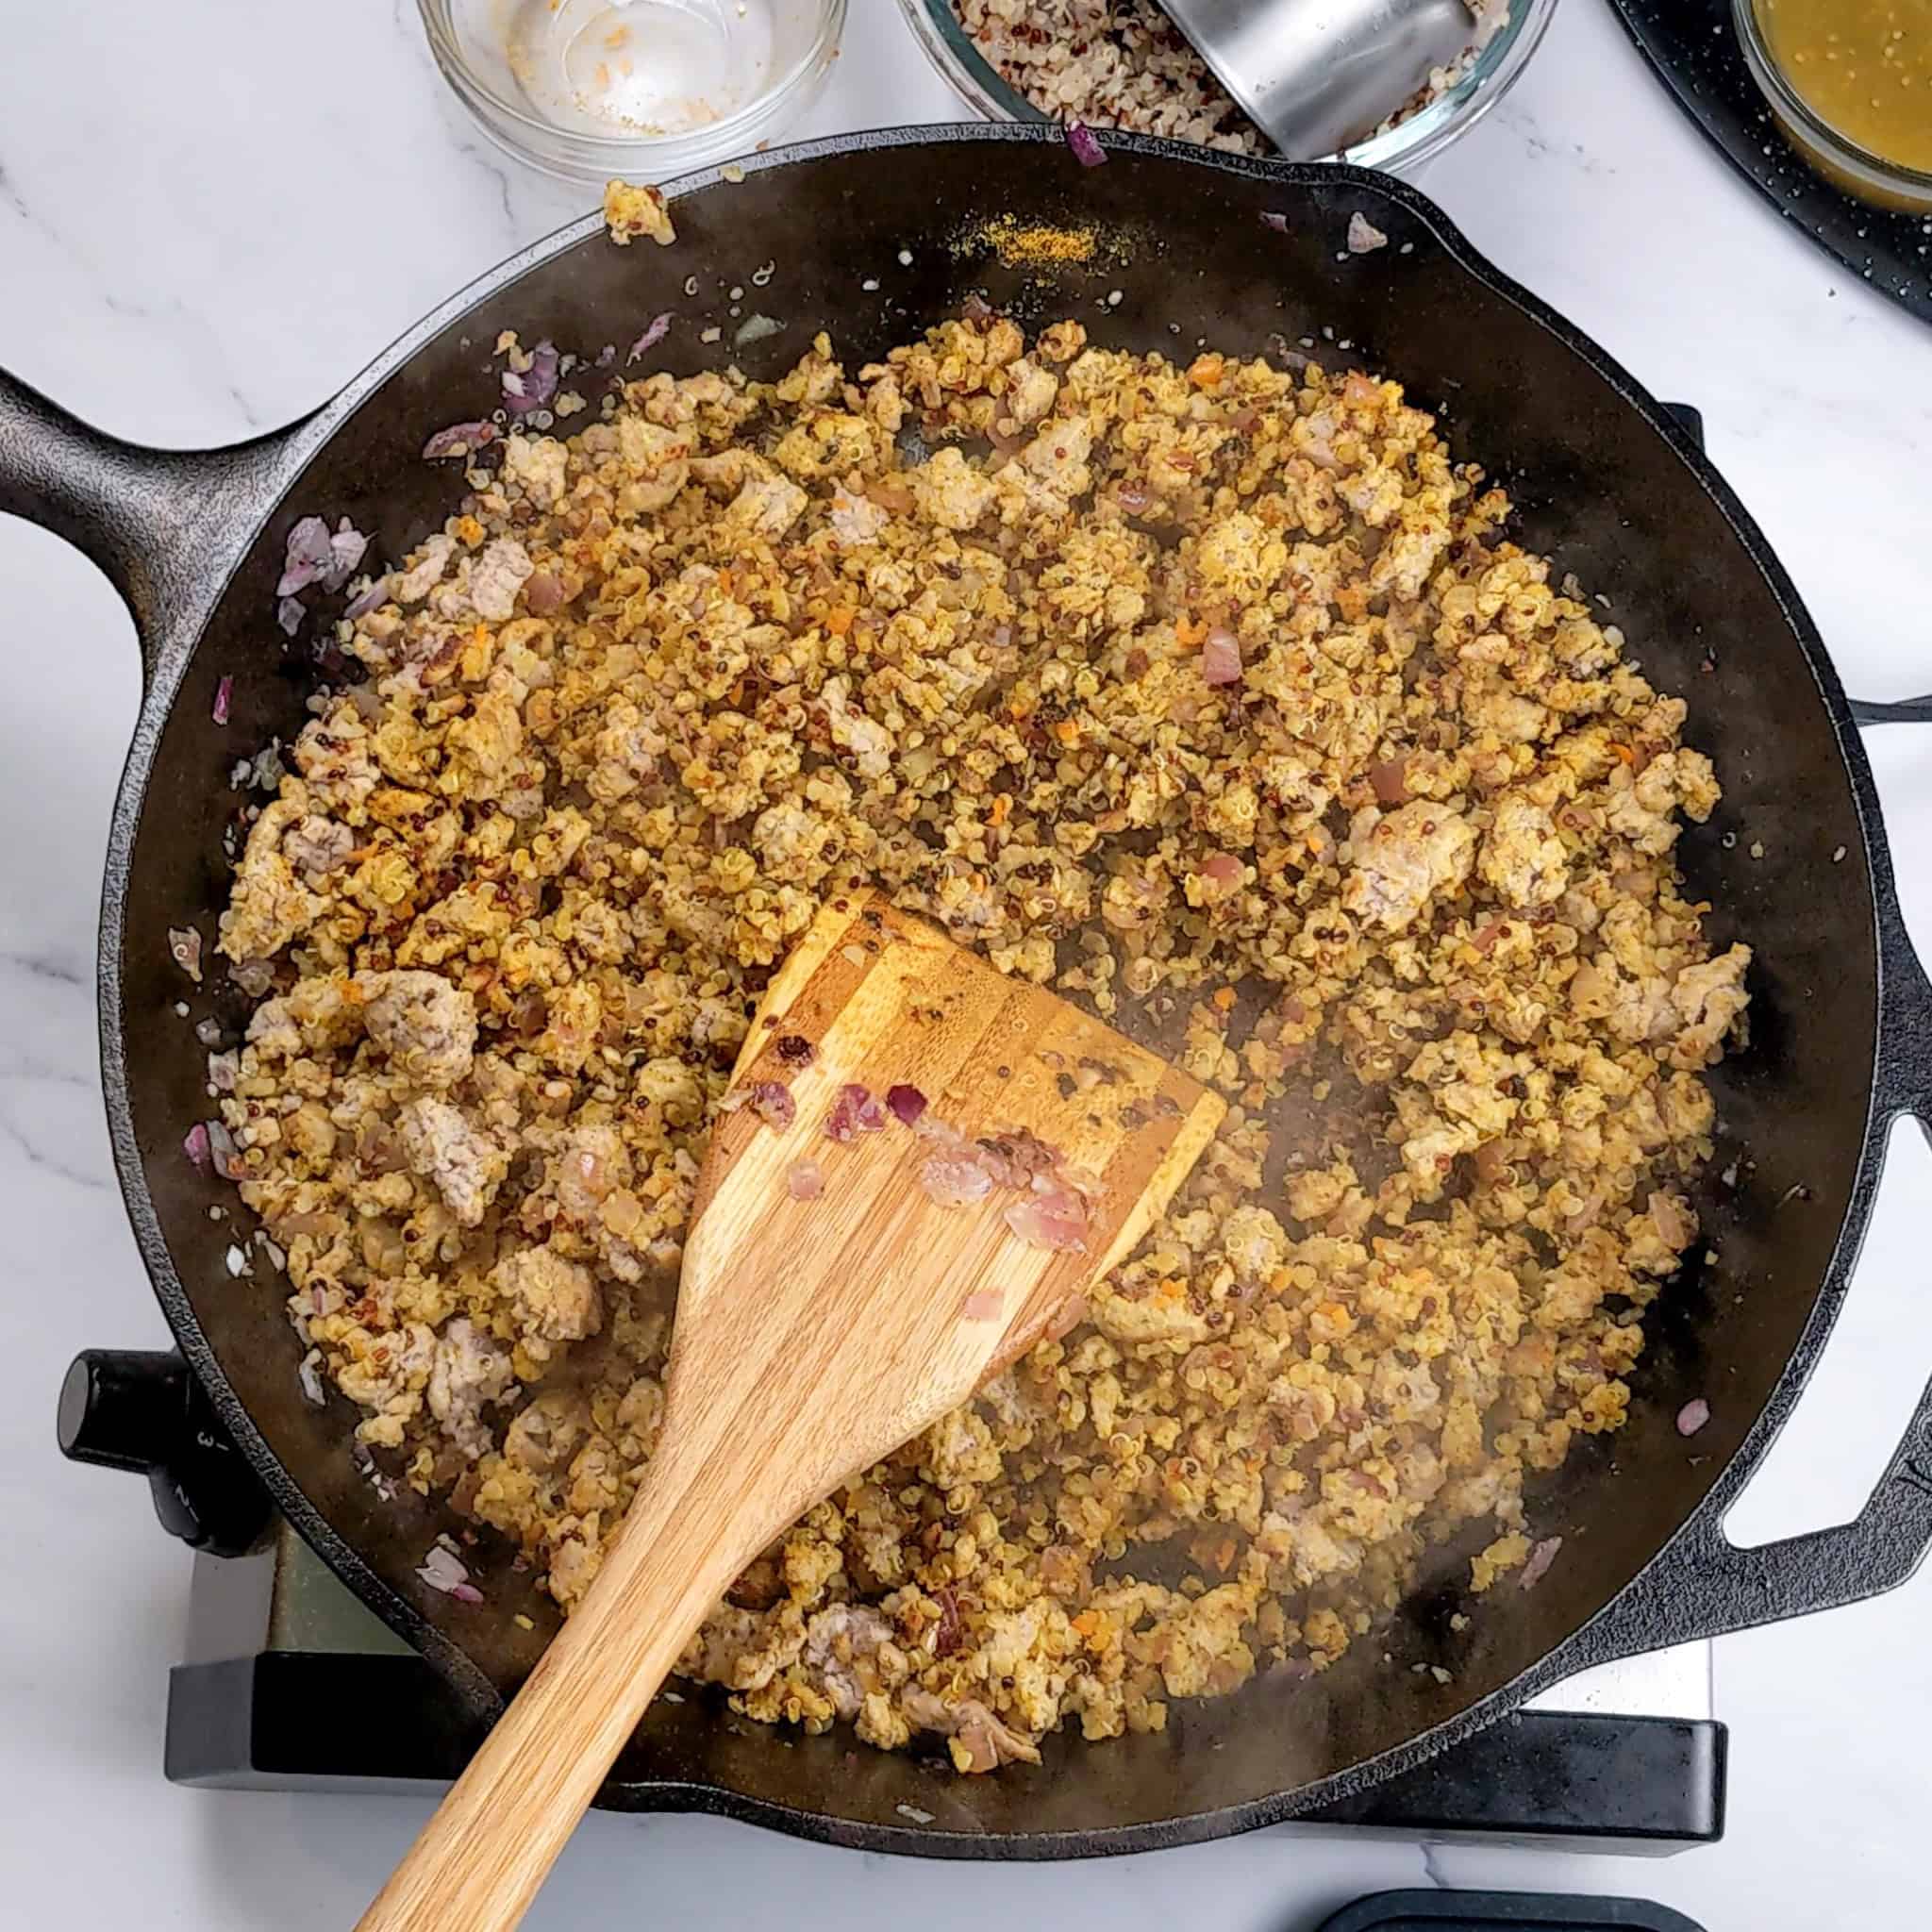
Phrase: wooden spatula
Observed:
(839, 1294)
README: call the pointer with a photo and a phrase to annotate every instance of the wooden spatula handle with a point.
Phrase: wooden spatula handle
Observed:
(480, 1860)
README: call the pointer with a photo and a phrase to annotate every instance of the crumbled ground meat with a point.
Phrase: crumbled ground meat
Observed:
(1403, 888)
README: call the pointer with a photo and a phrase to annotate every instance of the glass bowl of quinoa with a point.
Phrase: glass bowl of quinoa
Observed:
(1122, 63)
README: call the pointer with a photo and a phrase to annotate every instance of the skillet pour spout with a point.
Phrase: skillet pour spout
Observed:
(1250, 256)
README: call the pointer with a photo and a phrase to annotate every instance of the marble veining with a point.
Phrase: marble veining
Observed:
(210, 216)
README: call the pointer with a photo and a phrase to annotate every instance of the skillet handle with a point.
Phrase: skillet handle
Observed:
(1703, 1585)
(151, 518)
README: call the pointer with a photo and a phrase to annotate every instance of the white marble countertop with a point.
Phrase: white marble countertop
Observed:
(199, 236)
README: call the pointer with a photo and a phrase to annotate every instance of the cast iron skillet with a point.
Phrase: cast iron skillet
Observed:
(1842, 1026)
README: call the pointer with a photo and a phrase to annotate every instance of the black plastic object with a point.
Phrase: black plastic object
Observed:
(1693, 46)
(282, 1720)
(1519, 1912)
(1604, 481)
(139, 1409)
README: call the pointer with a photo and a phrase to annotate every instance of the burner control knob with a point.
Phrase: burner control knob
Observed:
(140, 1409)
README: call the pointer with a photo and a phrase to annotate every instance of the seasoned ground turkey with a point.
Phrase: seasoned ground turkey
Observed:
(1211, 696)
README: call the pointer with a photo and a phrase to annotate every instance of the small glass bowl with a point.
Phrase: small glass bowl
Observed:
(638, 90)
(1400, 150)
(1842, 163)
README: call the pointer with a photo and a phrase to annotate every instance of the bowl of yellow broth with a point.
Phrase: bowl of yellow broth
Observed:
(1850, 84)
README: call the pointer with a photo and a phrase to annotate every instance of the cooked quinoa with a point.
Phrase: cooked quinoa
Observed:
(1213, 696)
(1123, 63)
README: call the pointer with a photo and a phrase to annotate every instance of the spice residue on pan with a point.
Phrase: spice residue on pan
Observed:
(1028, 245)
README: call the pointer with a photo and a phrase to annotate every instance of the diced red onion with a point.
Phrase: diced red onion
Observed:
(854, 1111)
(772, 1103)
(1086, 149)
(606, 356)
(309, 1372)
(194, 1144)
(466, 1593)
(1054, 1218)
(306, 556)
(805, 1180)
(542, 594)
(1222, 870)
(982, 1305)
(368, 600)
(1133, 498)
(1273, 218)
(905, 1103)
(955, 1180)
(458, 440)
(225, 690)
(1220, 657)
(345, 555)
(1692, 1416)
(289, 614)
(184, 947)
(1541, 1556)
(534, 388)
(222, 1152)
(1363, 235)
(441, 1569)
(659, 328)
(223, 1070)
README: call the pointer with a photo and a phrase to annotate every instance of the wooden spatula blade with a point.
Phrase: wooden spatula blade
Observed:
(878, 1000)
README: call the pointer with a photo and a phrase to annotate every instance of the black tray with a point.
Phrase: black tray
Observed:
(1503, 1912)
(1693, 46)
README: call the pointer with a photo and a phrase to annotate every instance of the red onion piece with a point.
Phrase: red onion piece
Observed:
(309, 1372)
(805, 1180)
(1541, 1556)
(306, 556)
(441, 1569)
(1692, 1416)
(458, 440)
(772, 1103)
(1054, 1217)
(1271, 218)
(1133, 498)
(606, 356)
(222, 1153)
(1363, 235)
(369, 599)
(535, 386)
(466, 1593)
(955, 1180)
(659, 328)
(194, 1144)
(854, 1111)
(982, 1305)
(1087, 150)
(542, 594)
(1220, 657)
(290, 613)
(184, 947)
(345, 550)
(225, 690)
(1222, 870)
(905, 1103)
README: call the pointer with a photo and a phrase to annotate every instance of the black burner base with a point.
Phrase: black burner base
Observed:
(297, 1720)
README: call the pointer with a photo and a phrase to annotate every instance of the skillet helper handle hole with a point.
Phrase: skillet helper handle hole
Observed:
(1704, 1585)
(152, 519)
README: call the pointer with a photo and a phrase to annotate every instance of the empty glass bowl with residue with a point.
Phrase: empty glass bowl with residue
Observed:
(637, 89)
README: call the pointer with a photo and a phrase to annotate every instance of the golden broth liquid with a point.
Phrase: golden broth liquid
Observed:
(1863, 66)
